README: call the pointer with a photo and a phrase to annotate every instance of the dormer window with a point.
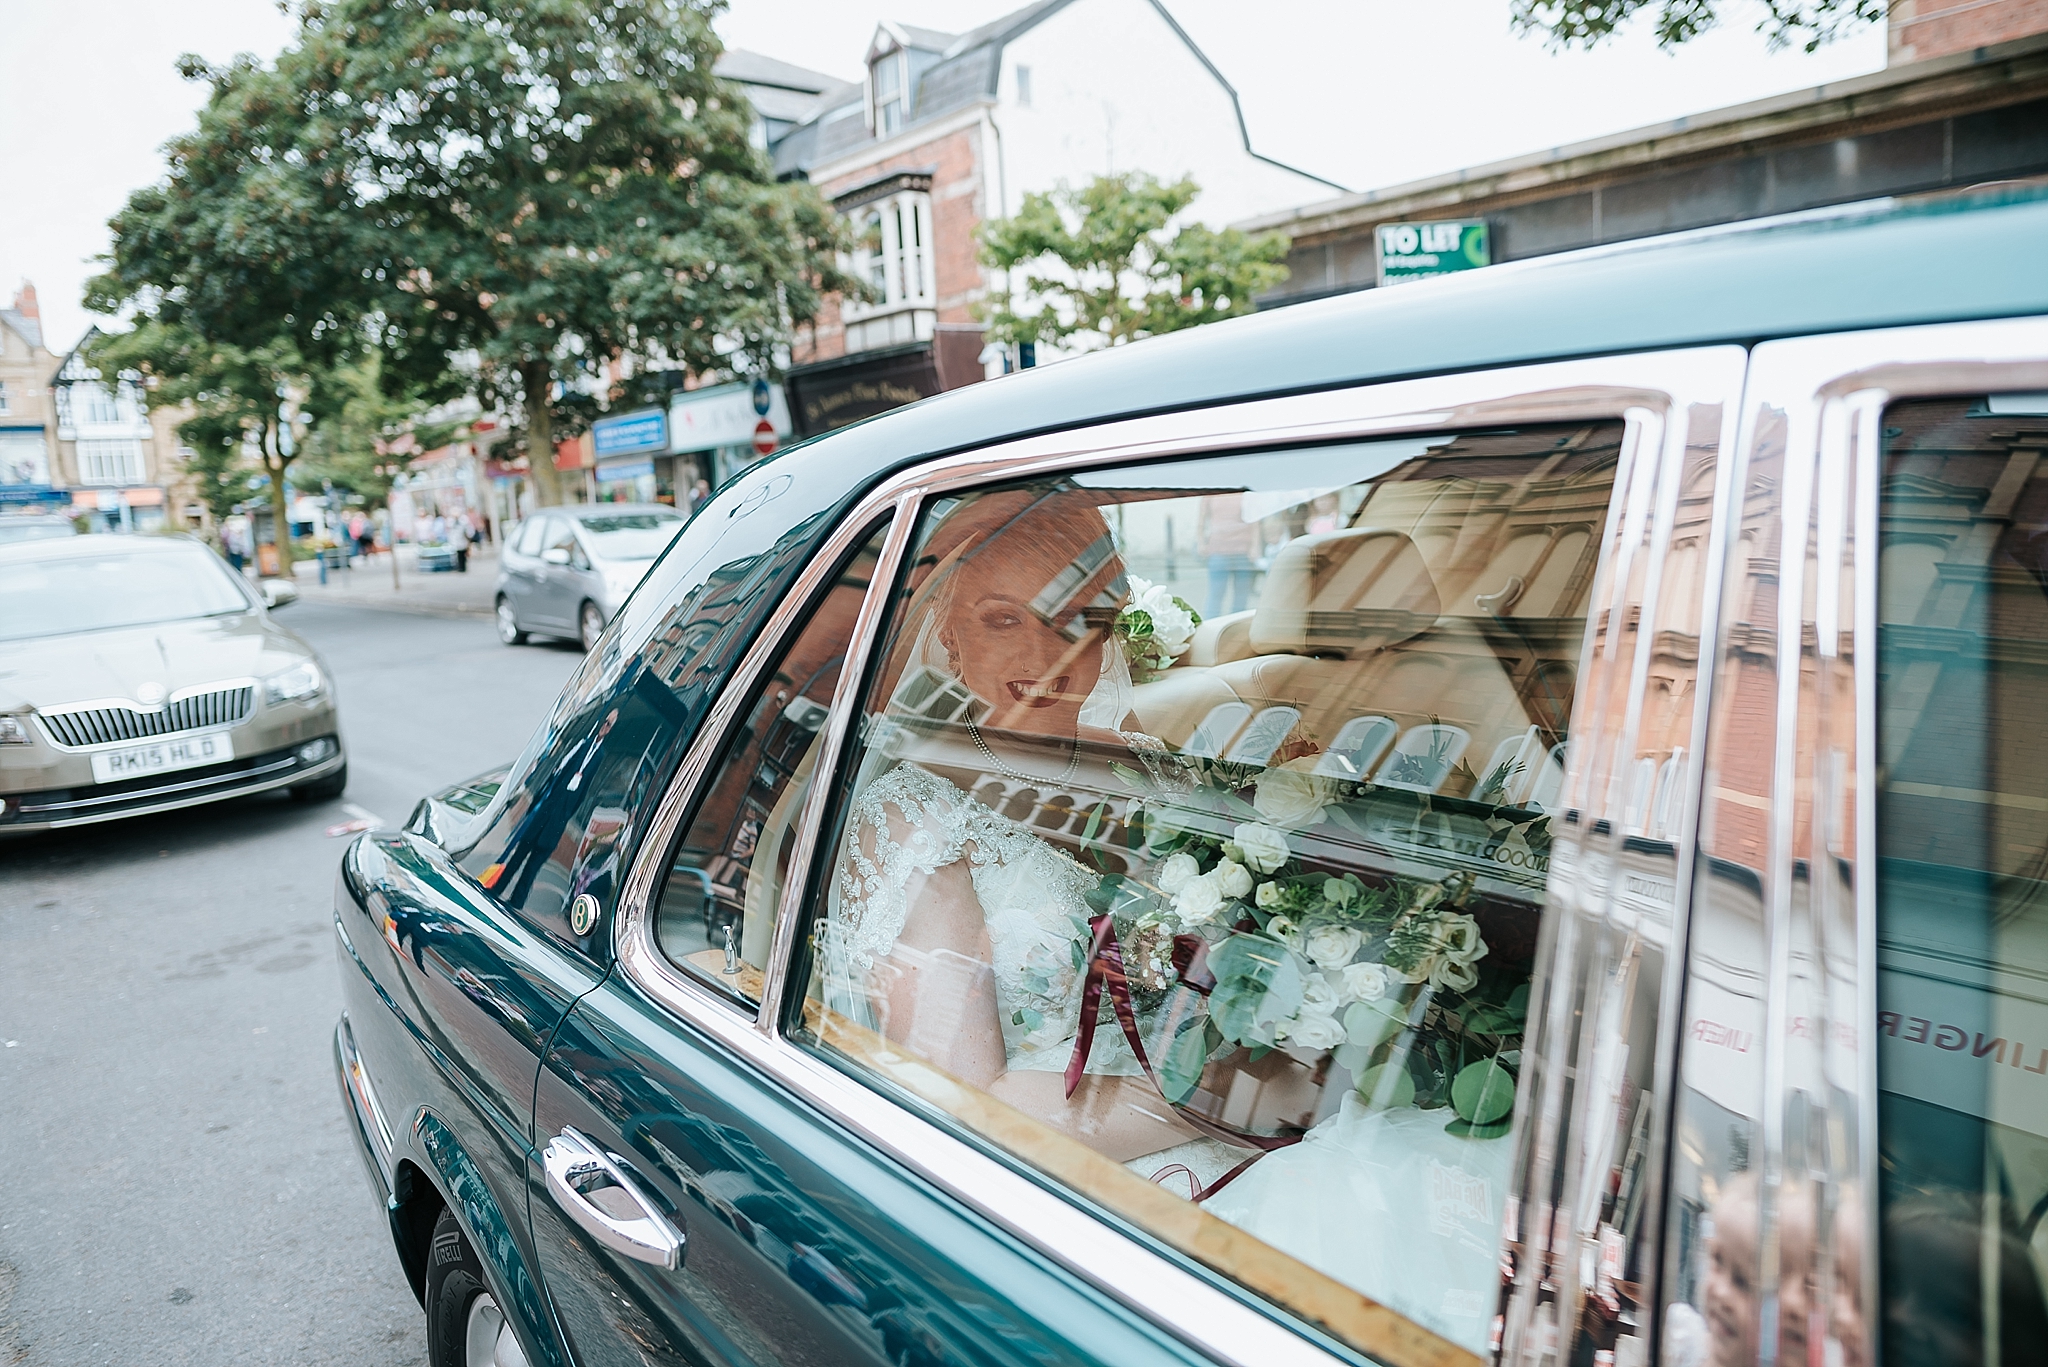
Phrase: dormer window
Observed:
(891, 86)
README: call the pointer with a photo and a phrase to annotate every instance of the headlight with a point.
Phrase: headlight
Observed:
(302, 680)
(621, 583)
(14, 731)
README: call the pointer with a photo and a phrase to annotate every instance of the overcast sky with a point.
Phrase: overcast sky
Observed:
(1368, 93)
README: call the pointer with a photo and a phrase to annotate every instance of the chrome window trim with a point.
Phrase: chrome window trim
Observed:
(1833, 390)
(1234, 1325)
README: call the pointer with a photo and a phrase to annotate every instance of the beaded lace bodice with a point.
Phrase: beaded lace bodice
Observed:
(911, 822)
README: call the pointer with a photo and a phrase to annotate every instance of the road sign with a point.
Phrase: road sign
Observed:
(1416, 251)
(764, 438)
(762, 397)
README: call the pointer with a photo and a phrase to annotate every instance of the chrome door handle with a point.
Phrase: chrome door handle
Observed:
(578, 1171)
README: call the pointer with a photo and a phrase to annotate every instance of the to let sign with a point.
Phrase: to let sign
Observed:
(1416, 251)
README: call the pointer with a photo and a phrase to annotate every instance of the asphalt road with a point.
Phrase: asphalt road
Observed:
(179, 1183)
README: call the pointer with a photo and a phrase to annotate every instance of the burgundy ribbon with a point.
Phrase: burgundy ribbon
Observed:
(1106, 973)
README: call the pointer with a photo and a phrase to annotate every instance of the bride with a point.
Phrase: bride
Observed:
(955, 925)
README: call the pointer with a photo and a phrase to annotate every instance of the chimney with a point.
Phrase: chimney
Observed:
(1920, 29)
(25, 301)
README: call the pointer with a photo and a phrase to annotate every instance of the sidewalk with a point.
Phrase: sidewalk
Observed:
(368, 585)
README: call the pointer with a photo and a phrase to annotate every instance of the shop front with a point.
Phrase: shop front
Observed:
(626, 447)
(717, 431)
(136, 509)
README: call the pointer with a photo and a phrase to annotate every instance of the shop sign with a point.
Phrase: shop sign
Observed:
(725, 415)
(1416, 251)
(835, 393)
(631, 434)
(612, 471)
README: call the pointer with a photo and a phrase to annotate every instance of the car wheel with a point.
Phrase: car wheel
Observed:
(589, 624)
(323, 789)
(508, 623)
(465, 1325)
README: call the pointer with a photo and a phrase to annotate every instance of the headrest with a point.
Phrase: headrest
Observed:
(1344, 594)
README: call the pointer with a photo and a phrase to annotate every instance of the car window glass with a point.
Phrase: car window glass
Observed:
(530, 536)
(1962, 897)
(715, 912)
(561, 536)
(1198, 842)
(61, 594)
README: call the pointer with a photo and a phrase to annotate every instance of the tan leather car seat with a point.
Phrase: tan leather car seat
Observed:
(1349, 625)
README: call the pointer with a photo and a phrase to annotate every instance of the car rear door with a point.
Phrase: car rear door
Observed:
(1861, 1166)
(716, 1181)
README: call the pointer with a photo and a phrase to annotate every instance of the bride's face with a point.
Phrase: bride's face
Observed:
(1034, 675)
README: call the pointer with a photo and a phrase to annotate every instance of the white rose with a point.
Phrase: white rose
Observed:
(1333, 946)
(1172, 626)
(1176, 871)
(1264, 848)
(1292, 798)
(1337, 892)
(1314, 1030)
(1317, 994)
(1459, 936)
(1268, 894)
(1198, 900)
(1420, 973)
(1234, 878)
(1283, 930)
(1366, 982)
(1452, 976)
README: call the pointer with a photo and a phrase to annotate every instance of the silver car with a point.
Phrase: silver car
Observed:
(567, 571)
(141, 674)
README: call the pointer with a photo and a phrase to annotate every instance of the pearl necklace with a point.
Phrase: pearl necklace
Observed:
(1073, 760)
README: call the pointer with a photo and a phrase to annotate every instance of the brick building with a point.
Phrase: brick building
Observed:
(1964, 100)
(947, 130)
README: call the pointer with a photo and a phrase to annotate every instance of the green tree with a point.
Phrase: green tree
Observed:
(1586, 23)
(550, 185)
(1102, 265)
(236, 269)
(346, 447)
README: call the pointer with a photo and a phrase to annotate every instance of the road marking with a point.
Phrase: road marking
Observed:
(362, 814)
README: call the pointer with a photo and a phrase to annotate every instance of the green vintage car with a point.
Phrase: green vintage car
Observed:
(1501, 818)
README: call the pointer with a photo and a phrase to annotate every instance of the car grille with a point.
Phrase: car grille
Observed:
(126, 721)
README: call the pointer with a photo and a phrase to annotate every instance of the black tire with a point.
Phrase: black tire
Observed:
(323, 789)
(589, 624)
(509, 630)
(456, 1294)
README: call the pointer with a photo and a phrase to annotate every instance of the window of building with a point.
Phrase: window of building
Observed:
(891, 92)
(110, 460)
(1962, 899)
(1229, 868)
(1024, 85)
(718, 905)
(892, 252)
(5, 404)
(100, 405)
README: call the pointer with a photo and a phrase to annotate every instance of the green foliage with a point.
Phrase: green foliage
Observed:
(236, 271)
(1587, 23)
(549, 185)
(343, 448)
(1102, 266)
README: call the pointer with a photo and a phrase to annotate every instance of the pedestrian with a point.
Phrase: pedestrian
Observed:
(1228, 541)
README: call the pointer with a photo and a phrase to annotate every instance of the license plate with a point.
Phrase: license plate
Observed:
(138, 761)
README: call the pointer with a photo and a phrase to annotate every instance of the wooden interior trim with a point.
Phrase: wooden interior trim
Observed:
(1360, 1321)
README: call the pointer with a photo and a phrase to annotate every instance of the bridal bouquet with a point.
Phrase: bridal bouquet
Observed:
(1393, 980)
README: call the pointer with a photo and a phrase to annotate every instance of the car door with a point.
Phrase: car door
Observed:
(455, 995)
(1862, 1157)
(845, 1201)
(561, 565)
(523, 567)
